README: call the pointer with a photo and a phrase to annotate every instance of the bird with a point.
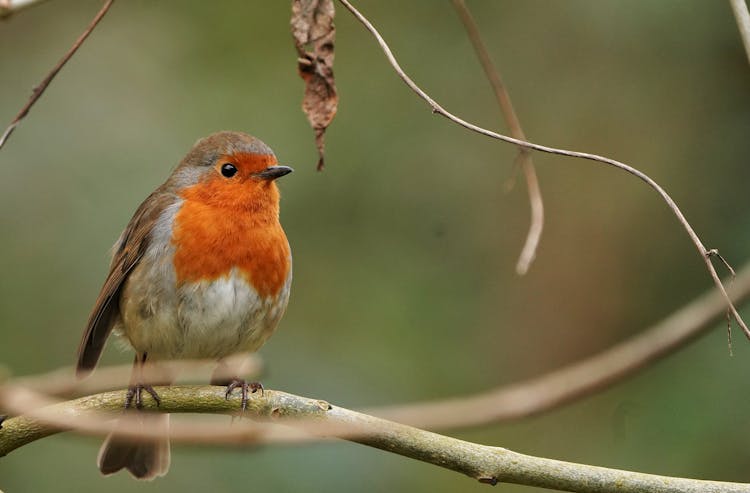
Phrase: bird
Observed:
(202, 270)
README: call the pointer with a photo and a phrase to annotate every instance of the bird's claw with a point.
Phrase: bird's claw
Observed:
(247, 387)
(135, 393)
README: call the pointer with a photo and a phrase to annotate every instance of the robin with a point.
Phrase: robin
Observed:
(202, 270)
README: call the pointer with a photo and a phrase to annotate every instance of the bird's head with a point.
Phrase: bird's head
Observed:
(230, 169)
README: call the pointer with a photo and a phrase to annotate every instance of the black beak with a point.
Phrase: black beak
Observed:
(273, 172)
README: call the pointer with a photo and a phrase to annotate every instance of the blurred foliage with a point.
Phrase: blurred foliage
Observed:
(405, 246)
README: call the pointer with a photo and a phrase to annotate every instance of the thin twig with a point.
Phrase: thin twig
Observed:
(741, 14)
(528, 253)
(436, 108)
(39, 90)
(716, 253)
(484, 463)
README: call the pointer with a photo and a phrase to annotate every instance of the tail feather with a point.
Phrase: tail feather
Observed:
(144, 459)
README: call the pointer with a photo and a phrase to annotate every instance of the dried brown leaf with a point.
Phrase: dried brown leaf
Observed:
(314, 34)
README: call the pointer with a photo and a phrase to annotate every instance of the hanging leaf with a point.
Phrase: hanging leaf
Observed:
(314, 35)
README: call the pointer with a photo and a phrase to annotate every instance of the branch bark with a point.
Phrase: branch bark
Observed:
(484, 463)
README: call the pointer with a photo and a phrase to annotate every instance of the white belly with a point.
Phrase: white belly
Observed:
(226, 316)
(208, 319)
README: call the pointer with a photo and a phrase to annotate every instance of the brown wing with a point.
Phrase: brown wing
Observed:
(128, 251)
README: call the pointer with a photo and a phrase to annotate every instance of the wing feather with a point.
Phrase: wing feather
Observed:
(128, 251)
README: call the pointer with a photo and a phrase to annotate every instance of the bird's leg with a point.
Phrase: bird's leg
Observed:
(136, 387)
(219, 378)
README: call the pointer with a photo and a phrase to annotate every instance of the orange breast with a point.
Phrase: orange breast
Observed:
(230, 231)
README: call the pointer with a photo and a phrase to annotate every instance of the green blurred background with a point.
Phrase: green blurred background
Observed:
(405, 246)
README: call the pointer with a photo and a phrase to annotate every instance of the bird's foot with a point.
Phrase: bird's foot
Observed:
(135, 394)
(247, 387)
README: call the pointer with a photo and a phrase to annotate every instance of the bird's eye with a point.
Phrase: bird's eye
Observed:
(228, 170)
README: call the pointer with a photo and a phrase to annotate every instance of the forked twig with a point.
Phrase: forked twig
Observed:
(436, 108)
(39, 90)
(523, 159)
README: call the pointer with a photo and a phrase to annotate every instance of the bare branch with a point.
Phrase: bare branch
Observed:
(511, 120)
(527, 398)
(523, 399)
(505, 403)
(741, 14)
(483, 463)
(436, 108)
(39, 90)
(528, 253)
(578, 380)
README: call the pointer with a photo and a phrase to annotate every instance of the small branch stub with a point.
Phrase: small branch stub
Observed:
(490, 480)
(714, 252)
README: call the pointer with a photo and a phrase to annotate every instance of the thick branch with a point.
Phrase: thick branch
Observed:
(505, 403)
(436, 108)
(484, 463)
